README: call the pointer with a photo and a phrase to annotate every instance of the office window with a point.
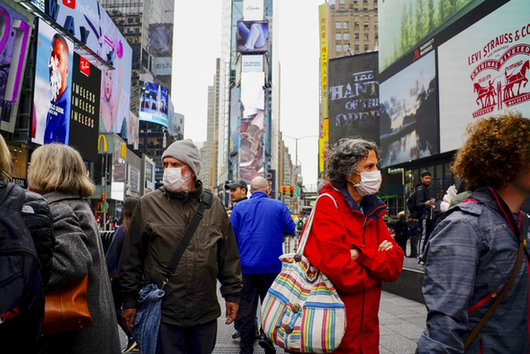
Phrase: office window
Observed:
(356, 36)
(356, 47)
(356, 10)
(346, 47)
(341, 2)
(366, 24)
(366, 47)
(365, 10)
(346, 36)
(338, 48)
(356, 24)
(377, 36)
(345, 25)
(365, 1)
(338, 36)
(375, 24)
(355, 1)
(338, 25)
(366, 36)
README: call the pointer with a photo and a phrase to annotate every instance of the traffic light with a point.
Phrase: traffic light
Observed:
(283, 189)
(291, 191)
(103, 197)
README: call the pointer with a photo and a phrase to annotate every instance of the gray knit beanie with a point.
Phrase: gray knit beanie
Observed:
(185, 151)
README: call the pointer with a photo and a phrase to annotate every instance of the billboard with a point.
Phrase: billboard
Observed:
(409, 127)
(252, 10)
(405, 24)
(52, 89)
(485, 70)
(84, 114)
(323, 18)
(353, 95)
(160, 39)
(118, 169)
(153, 103)
(252, 36)
(13, 50)
(115, 84)
(252, 63)
(252, 124)
(234, 121)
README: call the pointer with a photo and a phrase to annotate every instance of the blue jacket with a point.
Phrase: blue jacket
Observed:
(469, 259)
(259, 225)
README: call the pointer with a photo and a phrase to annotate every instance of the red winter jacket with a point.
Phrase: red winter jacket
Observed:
(333, 234)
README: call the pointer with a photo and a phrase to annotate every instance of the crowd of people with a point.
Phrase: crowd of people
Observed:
(474, 282)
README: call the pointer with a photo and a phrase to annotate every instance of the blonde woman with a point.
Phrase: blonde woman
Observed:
(58, 173)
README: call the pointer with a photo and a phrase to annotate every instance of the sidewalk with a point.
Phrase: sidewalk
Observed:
(401, 323)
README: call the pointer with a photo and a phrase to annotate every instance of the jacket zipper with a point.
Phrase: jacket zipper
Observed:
(484, 300)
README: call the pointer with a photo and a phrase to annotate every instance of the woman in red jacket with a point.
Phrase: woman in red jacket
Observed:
(351, 243)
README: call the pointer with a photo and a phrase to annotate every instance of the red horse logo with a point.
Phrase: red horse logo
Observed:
(516, 78)
(486, 95)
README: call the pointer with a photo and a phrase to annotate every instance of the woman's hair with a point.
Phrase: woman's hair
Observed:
(128, 208)
(496, 153)
(6, 163)
(58, 167)
(344, 157)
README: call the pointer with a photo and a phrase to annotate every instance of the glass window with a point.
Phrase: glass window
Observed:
(356, 10)
(338, 36)
(346, 36)
(346, 47)
(375, 24)
(355, 1)
(345, 25)
(365, 1)
(338, 25)
(377, 36)
(356, 36)
(356, 24)
(366, 24)
(341, 2)
(365, 9)
(366, 36)
(366, 47)
(357, 47)
(338, 48)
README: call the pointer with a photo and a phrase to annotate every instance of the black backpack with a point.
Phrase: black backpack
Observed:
(411, 202)
(21, 290)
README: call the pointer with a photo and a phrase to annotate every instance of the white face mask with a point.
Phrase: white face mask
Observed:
(369, 184)
(174, 181)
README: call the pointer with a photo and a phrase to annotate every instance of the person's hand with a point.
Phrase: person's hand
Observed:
(429, 203)
(355, 253)
(385, 246)
(128, 318)
(231, 312)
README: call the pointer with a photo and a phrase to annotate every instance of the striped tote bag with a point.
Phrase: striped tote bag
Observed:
(302, 311)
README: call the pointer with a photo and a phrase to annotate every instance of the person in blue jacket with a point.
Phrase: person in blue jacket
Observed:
(259, 225)
(472, 253)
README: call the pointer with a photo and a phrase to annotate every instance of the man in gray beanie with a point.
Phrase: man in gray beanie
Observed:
(190, 307)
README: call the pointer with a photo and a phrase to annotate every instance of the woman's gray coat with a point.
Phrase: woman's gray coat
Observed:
(78, 251)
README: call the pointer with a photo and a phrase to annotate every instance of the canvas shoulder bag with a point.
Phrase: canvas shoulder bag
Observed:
(302, 311)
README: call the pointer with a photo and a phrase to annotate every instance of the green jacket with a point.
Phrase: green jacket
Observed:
(157, 225)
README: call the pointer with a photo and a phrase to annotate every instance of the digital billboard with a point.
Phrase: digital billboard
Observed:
(115, 84)
(252, 63)
(153, 103)
(84, 113)
(405, 24)
(234, 121)
(252, 10)
(252, 36)
(13, 51)
(52, 90)
(409, 127)
(484, 71)
(252, 124)
(353, 96)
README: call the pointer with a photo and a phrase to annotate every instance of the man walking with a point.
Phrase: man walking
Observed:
(190, 307)
(424, 205)
(238, 190)
(259, 225)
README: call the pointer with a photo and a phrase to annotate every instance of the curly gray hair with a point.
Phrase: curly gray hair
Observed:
(344, 157)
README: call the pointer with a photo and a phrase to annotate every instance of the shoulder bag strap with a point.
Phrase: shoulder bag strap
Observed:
(305, 235)
(205, 203)
(487, 315)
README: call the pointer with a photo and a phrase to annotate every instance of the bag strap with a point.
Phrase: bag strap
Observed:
(497, 302)
(305, 235)
(205, 203)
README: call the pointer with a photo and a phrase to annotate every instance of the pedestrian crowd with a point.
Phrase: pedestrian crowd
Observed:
(158, 281)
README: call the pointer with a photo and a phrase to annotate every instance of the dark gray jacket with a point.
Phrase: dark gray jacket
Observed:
(469, 260)
(77, 252)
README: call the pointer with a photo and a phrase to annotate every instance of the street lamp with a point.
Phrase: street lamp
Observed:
(296, 145)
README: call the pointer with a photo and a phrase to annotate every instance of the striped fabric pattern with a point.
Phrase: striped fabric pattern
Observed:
(302, 311)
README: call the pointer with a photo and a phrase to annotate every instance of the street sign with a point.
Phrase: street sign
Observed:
(104, 207)
(296, 192)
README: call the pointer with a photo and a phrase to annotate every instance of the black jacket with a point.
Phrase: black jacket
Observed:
(422, 196)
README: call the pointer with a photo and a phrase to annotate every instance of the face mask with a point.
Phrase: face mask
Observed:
(173, 180)
(369, 184)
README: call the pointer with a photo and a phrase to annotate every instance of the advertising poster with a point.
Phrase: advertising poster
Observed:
(133, 130)
(252, 36)
(134, 179)
(252, 10)
(84, 115)
(149, 175)
(323, 19)
(484, 71)
(234, 121)
(13, 51)
(353, 97)
(252, 63)
(153, 103)
(115, 84)
(405, 24)
(53, 87)
(118, 169)
(409, 127)
(251, 128)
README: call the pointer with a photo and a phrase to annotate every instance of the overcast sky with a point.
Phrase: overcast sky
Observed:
(197, 43)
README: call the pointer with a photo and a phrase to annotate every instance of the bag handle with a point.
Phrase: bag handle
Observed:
(205, 203)
(305, 235)
(487, 315)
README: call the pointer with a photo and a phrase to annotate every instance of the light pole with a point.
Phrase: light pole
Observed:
(296, 158)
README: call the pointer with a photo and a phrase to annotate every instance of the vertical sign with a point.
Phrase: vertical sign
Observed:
(323, 30)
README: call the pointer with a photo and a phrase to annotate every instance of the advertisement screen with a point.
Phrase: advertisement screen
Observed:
(252, 63)
(409, 127)
(153, 103)
(405, 24)
(85, 107)
(353, 97)
(13, 50)
(252, 125)
(234, 121)
(115, 84)
(252, 36)
(252, 10)
(485, 71)
(53, 83)
(161, 39)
